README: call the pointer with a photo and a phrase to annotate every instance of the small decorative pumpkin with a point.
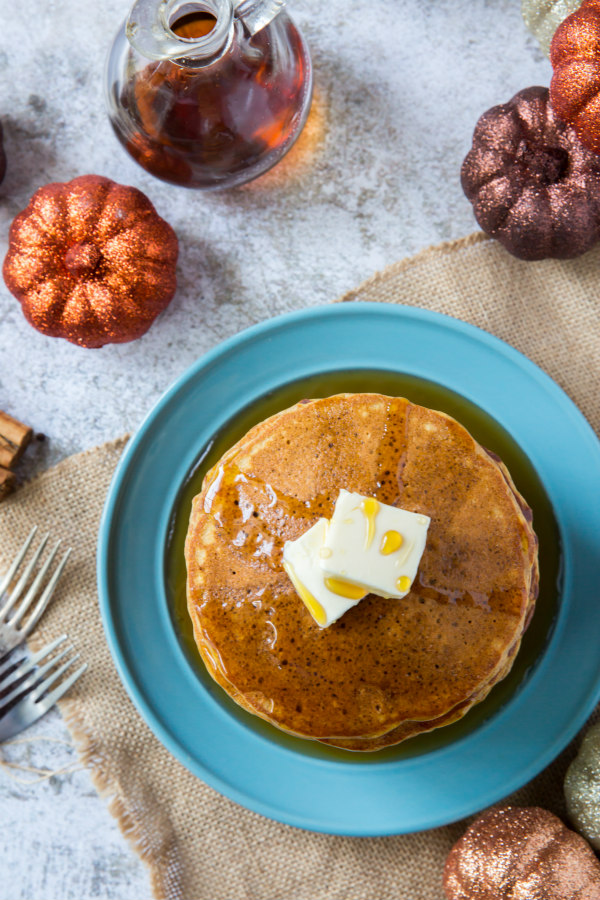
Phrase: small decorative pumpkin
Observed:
(542, 18)
(2, 156)
(582, 788)
(575, 85)
(91, 261)
(521, 853)
(532, 185)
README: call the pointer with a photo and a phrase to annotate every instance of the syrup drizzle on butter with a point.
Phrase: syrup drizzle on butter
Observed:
(345, 588)
(309, 600)
(403, 583)
(390, 542)
(370, 507)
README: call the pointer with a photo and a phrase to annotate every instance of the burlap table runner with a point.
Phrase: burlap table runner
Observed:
(199, 845)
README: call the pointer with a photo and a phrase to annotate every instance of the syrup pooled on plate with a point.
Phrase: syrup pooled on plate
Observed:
(485, 430)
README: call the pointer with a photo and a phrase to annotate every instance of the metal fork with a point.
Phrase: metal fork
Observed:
(24, 696)
(14, 629)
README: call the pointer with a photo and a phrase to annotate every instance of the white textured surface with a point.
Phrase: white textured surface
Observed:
(400, 85)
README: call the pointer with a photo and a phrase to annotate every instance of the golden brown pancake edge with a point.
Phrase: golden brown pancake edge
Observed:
(392, 433)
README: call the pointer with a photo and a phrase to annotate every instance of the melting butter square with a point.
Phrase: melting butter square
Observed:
(372, 545)
(301, 562)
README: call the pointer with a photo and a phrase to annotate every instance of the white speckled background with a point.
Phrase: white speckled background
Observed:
(399, 87)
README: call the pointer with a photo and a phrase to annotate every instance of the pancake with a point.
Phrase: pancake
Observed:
(388, 669)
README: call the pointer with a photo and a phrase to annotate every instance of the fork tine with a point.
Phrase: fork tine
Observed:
(46, 596)
(25, 712)
(8, 665)
(33, 589)
(18, 590)
(41, 689)
(47, 702)
(26, 683)
(17, 561)
(25, 665)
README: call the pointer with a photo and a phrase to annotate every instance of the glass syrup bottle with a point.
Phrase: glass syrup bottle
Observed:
(208, 94)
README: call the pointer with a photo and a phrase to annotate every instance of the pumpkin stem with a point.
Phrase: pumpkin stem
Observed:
(547, 164)
(82, 259)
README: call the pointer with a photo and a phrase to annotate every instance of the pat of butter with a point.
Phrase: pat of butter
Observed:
(373, 546)
(301, 562)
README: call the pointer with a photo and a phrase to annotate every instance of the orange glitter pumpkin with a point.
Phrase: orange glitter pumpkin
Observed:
(575, 87)
(91, 261)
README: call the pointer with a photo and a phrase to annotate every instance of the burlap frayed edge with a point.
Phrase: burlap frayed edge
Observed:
(135, 833)
(403, 265)
(133, 830)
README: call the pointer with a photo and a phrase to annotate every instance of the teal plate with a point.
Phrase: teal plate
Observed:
(375, 794)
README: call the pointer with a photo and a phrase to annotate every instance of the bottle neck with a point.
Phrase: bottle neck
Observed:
(177, 30)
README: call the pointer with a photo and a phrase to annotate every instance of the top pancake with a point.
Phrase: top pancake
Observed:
(385, 663)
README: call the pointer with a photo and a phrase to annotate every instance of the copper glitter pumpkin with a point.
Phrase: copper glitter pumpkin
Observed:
(91, 261)
(2, 155)
(575, 86)
(521, 853)
(532, 184)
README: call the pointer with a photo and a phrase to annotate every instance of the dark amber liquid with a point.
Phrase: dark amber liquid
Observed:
(485, 430)
(194, 25)
(202, 126)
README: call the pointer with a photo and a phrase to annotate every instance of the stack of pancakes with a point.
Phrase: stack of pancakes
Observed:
(388, 669)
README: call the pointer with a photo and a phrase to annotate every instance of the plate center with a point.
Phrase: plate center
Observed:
(487, 431)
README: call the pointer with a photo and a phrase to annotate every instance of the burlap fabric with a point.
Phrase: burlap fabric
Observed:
(199, 845)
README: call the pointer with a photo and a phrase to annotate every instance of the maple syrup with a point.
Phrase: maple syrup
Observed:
(221, 115)
(487, 432)
(194, 25)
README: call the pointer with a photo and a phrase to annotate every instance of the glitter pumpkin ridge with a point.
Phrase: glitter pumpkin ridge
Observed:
(91, 261)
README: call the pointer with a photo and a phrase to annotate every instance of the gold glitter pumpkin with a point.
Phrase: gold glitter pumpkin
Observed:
(91, 261)
(575, 86)
(543, 17)
(521, 853)
(582, 788)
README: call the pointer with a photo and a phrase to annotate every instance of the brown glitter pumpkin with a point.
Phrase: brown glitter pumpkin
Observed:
(91, 261)
(2, 155)
(521, 853)
(575, 86)
(532, 184)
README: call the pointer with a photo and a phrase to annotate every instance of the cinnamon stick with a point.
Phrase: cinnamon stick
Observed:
(14, 437)
(7, 482)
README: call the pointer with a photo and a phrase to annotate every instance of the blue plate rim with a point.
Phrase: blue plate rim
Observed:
(203, 364)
